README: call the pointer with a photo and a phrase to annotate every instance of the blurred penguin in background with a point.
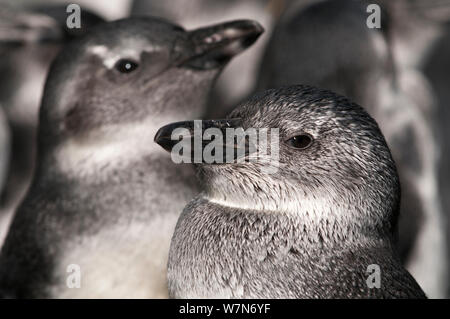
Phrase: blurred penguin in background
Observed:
(104, 197)
(329, 45)
(421, 46)
(29, 41)
(239, 79)
(436, 67)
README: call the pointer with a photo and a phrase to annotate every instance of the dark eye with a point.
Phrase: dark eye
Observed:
(300, 141)
(126, 66)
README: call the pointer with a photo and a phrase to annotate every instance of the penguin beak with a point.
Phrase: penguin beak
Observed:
(216, 45)
(195, 135)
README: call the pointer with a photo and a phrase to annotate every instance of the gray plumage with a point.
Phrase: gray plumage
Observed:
(329, 45)
(309, 230)
(103, 196)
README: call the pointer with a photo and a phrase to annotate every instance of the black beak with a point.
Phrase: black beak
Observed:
(216, 45)
(196, 137)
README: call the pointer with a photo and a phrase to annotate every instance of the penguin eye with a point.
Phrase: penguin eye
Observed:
(126, 66)
(300, 141)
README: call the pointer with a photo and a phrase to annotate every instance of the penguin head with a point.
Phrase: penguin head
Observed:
(333, 164)
(133, 71)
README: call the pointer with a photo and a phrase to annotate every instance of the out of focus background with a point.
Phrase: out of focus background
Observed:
(400, 72)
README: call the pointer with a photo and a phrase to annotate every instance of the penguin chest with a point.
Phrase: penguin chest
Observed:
(126, 261)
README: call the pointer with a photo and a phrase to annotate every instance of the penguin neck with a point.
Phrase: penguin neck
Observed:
(130, 170)
(101, 159)
(327, 213)
(304, 230)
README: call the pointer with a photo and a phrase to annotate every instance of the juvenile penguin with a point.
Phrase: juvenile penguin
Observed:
(105, 199)
(307, 47)
(310, 229)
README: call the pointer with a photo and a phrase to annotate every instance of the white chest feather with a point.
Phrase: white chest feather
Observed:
(120, 262)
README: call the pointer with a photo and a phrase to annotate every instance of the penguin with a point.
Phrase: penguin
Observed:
(307, 47)
(104, 199)
(29, 41)
(312, 228)
(421, 44)
(435, 68)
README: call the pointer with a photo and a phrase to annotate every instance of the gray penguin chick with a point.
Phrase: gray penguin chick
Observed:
(309, 230)
(329, 45)
(105, 199)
